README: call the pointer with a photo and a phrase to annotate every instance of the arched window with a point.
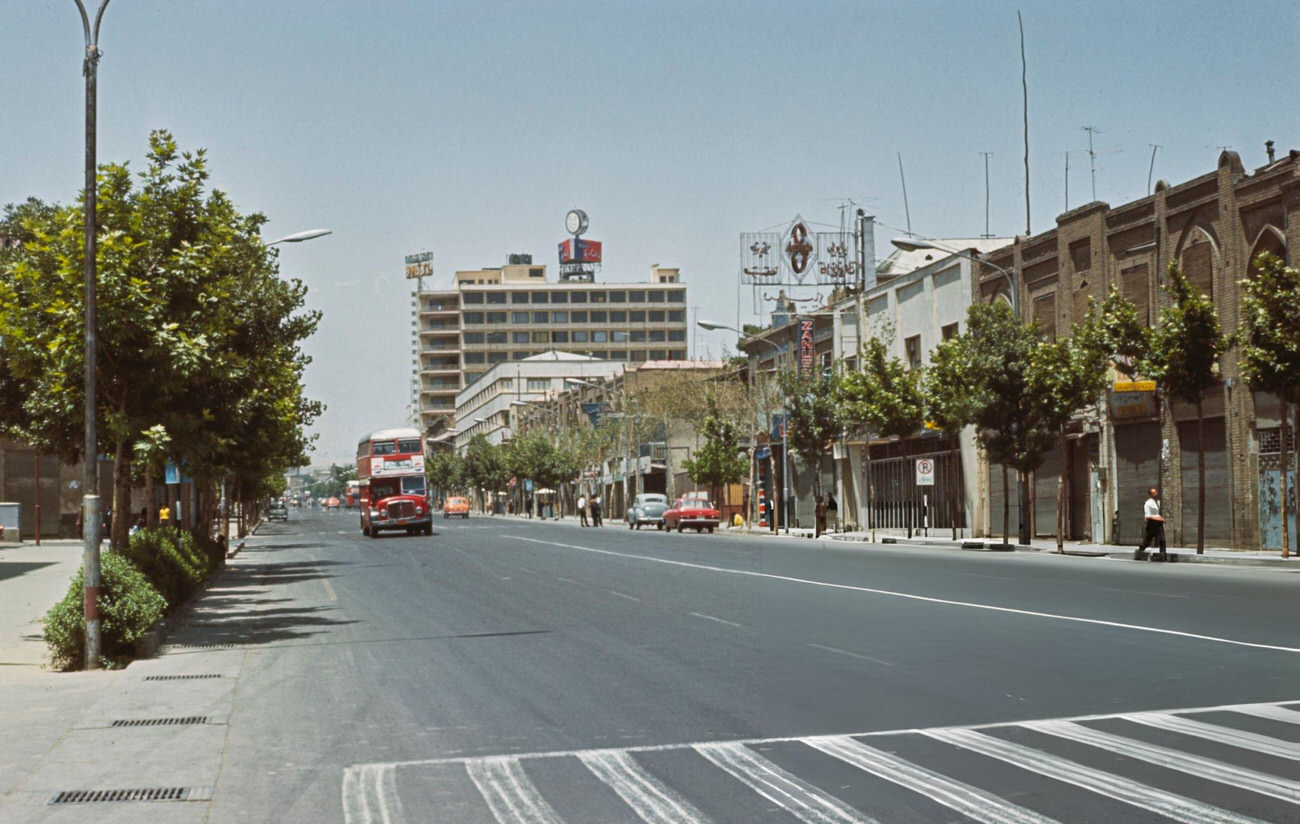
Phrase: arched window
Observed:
(1198, 260)
(1269, 240)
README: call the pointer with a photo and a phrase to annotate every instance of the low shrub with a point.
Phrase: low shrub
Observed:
(129, 606)
(175, 561)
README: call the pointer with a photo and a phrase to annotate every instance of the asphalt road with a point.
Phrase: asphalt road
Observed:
(510, 671)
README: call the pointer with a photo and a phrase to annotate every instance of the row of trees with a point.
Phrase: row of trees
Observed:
(198, 360)
(1020, 390)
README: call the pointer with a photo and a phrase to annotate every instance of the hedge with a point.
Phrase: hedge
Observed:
(129, 606)
(174, 560)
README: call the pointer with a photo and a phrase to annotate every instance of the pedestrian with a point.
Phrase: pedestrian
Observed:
(1155, 523)
(832, 510)
(582, 510)
(595, 511)
(820, 511)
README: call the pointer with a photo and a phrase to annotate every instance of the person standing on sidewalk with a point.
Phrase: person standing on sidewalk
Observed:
(1155, 523)
(595, 510)
(582, 511)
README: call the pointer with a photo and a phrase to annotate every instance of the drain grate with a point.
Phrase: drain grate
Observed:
(195, 677)
(133, 794)
(204, 646)
(160, 722)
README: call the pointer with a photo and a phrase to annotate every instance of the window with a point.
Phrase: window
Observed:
(600, 337)
(413, 484)
(518, 317)
(657, 336)
(596, 297)
(677, 335)
(519, 354)
(637, 316)
(470, 377)
(912, 348)
(539, 384)
(950, 331)
(541, 337)
(677, 354)
(473, 337)
(618, 316)
(496, 337)
(579, 337)
(658, 354)
(577, 297)
(618, 336)
(578, 317)
(474, 357)
(656, 296)
(383, 448)
(597, 317)
(618, 354)
(638, 355)
(560, 317)
(678, 296)
(541, 297)
(656, 316)
(618, 297)
(559, 297)
(559, 337)
(537, 272)
(472, 297)
(519, 337)
(473, 317)
(636, 296)
(677, 316)
(518, 297)
(541, 317)
(496, 297)
(637, 336)
(496, 317)
(496, 357)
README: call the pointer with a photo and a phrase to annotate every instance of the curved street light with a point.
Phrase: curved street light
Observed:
(299, 237)
(915, 244)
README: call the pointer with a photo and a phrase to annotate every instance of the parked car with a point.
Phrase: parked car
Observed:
(647, 508)
(277, 512)
(692, 510)
(455, 506)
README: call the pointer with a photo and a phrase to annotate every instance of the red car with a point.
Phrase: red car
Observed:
(692, 510)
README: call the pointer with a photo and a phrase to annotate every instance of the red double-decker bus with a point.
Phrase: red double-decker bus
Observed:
(390, 469)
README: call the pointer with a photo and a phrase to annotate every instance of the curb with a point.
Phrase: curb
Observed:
(148, 646)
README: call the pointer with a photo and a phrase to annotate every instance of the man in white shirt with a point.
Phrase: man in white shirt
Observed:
(582, 510)
(1155, 523)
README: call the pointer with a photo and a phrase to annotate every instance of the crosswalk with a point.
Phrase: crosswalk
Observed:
(1236, 764)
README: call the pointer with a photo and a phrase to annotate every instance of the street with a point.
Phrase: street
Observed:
(508, 670)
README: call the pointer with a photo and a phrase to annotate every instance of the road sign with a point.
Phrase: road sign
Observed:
(925, 472)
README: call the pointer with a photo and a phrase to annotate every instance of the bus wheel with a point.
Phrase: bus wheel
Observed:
(428, 529)
(374, 533)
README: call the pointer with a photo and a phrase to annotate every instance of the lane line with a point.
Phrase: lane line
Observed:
(715, 618)
(1142, 592)
(850, 654)
(625, 595)
(566, 580)
(1170, 805)
(510, 794)
(1207, 768)
(1220, 734)
(789, 792)
(910, 596)
(649, 797)
(968, 800)
(1269, 711)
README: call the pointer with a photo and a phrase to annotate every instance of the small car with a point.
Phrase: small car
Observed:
(455, 506)
(277, 512)
(647, 508)
(692, 510)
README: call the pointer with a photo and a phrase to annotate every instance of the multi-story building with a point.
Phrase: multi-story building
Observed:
(513, 312)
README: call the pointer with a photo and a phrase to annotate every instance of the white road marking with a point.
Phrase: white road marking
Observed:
(566, 580)
(509, 793)
(624, 595)
(1269, 711)
(1117, 787)
(1207, 768)
(370, 795)
(1222, 735)
(1142, 592)
(714, 618)
(850, 654)
(791, 793)
(649, 797)
(910, 596)
(970, 801)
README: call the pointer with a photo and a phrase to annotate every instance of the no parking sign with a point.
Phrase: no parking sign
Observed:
(925, 471)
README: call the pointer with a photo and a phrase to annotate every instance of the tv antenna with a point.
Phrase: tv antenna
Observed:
(1092, 156)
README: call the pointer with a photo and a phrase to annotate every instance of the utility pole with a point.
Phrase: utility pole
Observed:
(90, 453)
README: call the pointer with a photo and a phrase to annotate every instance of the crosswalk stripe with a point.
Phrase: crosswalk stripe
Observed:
(1168, 804)
(1207, 768)
(649, 797)
(1223, 735)
(1271, 712)
(970, 801)
(509, 793)
(794, 795)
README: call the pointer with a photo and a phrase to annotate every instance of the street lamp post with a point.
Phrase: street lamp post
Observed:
(90, 468)
(785, 452)
(627, 444)
(912, 244)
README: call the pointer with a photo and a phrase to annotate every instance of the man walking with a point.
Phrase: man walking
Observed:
(595, 511)
(582, 511)
(1155, 523)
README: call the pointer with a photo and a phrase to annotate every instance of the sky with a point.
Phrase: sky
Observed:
(469, 129)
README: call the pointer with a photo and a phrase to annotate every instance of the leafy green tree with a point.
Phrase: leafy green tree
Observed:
(486, 468)
(1186, 346)
(445, 473)
(720, 460)
(813, 421)
(1270, 349)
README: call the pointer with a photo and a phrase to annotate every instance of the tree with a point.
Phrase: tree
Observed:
(485, 466)
(1270, 349)
(1186, 346)
(811, 419)
(720, 460)
(445, 472)
(883, 398)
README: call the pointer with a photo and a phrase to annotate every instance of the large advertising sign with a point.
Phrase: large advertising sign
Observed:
(588, 251)
(807, 351)
(419, 266)
(386, 467)
(799, 255)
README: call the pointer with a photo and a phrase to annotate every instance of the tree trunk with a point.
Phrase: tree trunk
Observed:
(1006, 505)
(121, 497)
(1060, 495)
(150, 512)
(1200, 479)
(1286, 463)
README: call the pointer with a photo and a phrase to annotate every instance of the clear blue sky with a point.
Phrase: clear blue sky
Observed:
(470, 128)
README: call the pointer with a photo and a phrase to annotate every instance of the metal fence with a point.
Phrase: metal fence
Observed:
(898, 503)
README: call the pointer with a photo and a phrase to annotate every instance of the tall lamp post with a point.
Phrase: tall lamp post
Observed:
(785, 452)
(627, 443)
(90, 455)
(912, 244)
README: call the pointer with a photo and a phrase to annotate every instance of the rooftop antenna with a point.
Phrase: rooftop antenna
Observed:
(986, 194)
(1024, 93)
(1151, 169)
(1092, 158)
(906, 212)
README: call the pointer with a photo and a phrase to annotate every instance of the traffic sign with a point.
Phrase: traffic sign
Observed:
(925, 471)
